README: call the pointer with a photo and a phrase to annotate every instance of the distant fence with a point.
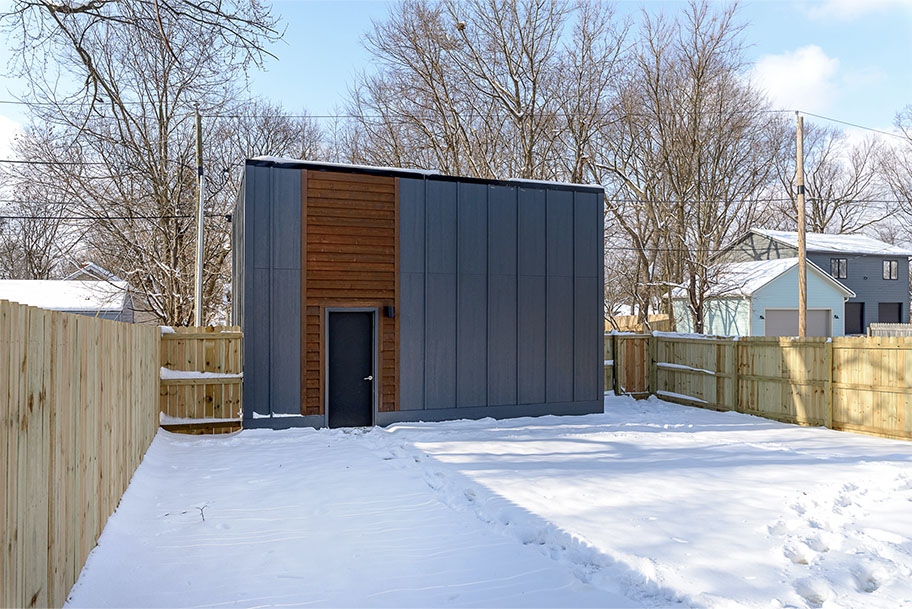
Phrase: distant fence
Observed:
(889, 329)
(78, 411)
(631, 323)
(859, 384)
(201, 403)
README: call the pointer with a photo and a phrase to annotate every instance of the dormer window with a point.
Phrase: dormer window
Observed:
(838, 267)
(890, 269)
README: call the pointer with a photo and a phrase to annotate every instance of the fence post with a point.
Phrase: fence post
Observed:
(828, 359)
(736, 369)
(616, 349)
(652, 384)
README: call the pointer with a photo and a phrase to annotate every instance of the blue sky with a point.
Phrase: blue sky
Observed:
(849, 59)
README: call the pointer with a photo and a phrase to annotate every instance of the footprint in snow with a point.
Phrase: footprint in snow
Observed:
(868, 578)
(800, 555)
(814, 591)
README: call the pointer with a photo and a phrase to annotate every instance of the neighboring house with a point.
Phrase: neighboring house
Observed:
(877, 272)
(370, 295)
(141, 312)
(760, 298)
(89, 271)
(93, 298)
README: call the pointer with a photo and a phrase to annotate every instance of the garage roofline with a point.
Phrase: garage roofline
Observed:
(283, 163)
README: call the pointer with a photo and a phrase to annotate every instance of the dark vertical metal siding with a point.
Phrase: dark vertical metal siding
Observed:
(441, 225)
(587, 268)
(472, 294)
(559, 285)
(411, 293)
(531, 328)
(505, 308)
(440, 336)
(531, 296)
(271, 276)
(256, 344)
(502, 309)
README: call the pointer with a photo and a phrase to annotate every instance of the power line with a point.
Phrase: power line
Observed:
(857, 126)
(102, 218)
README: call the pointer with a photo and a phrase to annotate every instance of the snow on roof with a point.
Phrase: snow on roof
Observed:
(66, 295)
(843, 244)
(417, 172)
(745, 278)
(92, 270)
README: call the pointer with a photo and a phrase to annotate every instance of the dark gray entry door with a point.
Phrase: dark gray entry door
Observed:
(351, 368)
(854, 318)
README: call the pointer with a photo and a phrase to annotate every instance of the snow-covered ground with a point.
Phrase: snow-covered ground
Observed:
(649, 504)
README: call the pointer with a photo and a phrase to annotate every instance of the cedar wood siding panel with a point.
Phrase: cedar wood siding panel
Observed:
(351, 235)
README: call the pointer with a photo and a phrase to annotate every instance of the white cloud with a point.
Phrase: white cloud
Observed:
(9, 129)
(846, 10)
(803, 79)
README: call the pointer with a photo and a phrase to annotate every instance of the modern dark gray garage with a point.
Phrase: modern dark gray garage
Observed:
(371, 295)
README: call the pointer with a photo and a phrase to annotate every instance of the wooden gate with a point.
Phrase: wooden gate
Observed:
(201, 379)
(632, 363)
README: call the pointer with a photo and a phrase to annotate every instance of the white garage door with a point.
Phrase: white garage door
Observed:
(784, 322)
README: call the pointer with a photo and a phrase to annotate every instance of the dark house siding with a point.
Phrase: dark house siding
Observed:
(497, 289)
(864, 272)
(503, 316)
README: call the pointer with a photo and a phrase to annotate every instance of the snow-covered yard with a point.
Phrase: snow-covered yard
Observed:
(649, 504)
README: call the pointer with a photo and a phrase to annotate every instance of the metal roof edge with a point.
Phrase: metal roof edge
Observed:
(416, 174)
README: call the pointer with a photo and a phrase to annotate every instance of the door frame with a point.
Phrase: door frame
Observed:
(375, 356)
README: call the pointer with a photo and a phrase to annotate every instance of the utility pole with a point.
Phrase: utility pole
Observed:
(198, 289)
(802, 234)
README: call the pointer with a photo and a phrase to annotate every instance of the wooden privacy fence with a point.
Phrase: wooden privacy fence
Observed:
(859, 384)
(78, 410)
(201, 379)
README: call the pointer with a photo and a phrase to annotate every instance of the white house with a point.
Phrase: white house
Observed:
(94, 298)
(760, 298)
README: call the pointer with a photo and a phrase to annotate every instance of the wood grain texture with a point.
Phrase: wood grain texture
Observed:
(859, 384)
(211, 349)
(350, 232)
(78, 409)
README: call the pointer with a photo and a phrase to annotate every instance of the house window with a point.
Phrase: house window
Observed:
(838, 267)
(890, 269)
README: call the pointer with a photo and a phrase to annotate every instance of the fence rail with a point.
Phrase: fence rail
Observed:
(856, 384)
(188, 399)
(78, 410)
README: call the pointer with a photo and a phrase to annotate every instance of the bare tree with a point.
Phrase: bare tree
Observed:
(37, 240)
(843, 188)
(126, 155)
(486, 88)
(690, 153)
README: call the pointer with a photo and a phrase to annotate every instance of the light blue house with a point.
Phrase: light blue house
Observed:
(760, 298)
